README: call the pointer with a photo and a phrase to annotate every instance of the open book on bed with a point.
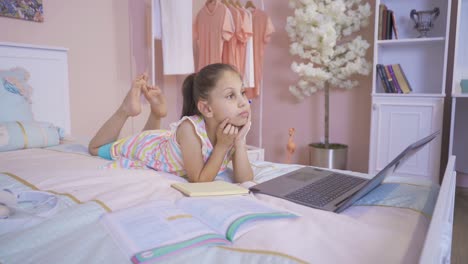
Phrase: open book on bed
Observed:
(158, 229)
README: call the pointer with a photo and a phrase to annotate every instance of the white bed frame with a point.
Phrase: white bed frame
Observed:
(49, 78)
(438, 244)
(48, 68)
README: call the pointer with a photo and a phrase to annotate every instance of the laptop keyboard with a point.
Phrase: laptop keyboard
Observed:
(325, 190)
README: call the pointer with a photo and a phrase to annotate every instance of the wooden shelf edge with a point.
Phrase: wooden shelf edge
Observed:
(409, 41)
(432, 95)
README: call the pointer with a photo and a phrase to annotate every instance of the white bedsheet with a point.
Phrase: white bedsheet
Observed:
(361, 234)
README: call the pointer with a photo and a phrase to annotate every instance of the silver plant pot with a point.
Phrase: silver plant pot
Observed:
(334, 157)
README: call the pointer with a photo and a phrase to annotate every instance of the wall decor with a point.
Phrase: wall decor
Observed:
(22, 9)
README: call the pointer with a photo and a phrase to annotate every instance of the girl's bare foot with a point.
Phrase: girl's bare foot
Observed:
(156, 99)
(131, 105)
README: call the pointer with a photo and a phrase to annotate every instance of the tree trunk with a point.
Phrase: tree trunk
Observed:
(327, 112)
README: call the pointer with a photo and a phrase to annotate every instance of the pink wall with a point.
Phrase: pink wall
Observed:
(350, 110)
(96, 34)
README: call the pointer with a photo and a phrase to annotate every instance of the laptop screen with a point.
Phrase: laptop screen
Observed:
(390, 168)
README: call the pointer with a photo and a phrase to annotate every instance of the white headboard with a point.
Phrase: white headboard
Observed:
(48, 67)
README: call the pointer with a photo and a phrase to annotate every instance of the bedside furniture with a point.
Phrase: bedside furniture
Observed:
(399, 119)
(255, 153)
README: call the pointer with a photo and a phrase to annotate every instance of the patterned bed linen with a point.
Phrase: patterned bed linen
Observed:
(72, 146)
(74, 235)
(366, 233)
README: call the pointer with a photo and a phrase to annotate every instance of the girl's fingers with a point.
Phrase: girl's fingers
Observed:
(232, 130)
(223, 124)
(227, 129)
(244, 130)
(246, 127)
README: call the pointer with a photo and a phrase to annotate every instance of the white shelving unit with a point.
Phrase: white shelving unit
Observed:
(400, 119)
(459, 125)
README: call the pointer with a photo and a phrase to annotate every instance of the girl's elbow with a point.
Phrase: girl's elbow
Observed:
(243, 178)
(198, 178)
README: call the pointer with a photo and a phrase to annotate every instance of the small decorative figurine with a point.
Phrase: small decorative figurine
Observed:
(424, 20)
(291, 146)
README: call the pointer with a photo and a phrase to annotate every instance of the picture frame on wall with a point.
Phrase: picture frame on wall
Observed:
(31, 10)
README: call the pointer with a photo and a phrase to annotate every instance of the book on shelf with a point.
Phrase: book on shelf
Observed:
(392, 88)
(196, 189)
(386, 24)
(394, 79)
(388, 30)
(383, 78)
(382, 9)
(394, 26)
(158, 229)
(401, 78)
(383, 19)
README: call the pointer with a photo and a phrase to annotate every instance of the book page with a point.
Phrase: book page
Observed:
(154, 225)
(230, 215)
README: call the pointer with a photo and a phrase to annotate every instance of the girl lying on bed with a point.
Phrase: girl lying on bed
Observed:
(212, 131)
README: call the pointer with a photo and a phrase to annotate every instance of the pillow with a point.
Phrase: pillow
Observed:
(15, 95)
(28, 134)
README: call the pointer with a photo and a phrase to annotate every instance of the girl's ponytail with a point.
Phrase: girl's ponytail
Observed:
(190, 106)
(197, 86)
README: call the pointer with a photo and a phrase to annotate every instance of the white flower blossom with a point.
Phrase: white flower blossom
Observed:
(322, 35)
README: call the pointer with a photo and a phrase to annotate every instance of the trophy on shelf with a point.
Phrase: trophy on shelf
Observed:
(424, 20)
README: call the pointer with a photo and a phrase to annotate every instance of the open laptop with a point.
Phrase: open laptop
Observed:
(328, 190)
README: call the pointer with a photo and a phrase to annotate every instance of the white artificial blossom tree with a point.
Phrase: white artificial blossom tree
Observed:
(323, 36)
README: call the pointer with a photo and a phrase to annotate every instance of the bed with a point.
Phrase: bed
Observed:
(418, 229)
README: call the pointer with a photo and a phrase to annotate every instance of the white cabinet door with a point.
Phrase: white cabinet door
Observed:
(398, 122)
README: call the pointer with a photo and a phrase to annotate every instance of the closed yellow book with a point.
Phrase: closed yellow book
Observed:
(402, 81)
(209, 188)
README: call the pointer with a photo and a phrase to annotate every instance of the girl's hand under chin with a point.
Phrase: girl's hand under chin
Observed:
(242, 135)
(226, 134)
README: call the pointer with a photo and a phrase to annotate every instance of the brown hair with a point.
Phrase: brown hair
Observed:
(199, 85)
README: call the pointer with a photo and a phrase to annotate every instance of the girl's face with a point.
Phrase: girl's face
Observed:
(228, 100)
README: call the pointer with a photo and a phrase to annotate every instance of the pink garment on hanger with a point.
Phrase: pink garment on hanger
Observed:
(262, 30)
(211, 28)
(230, 47)
(246, 33)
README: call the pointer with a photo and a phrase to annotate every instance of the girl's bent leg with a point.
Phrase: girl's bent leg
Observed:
(110, 131)
(157, 102)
